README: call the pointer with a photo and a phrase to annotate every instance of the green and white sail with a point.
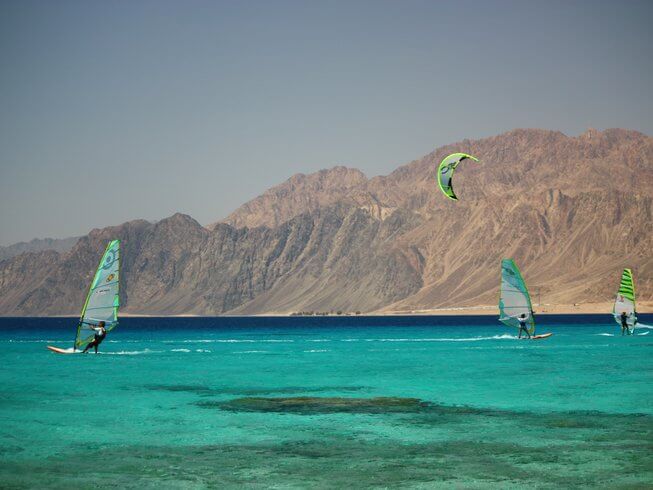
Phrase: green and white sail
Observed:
(625, 301)
(446, 169)
(103, 300)
(514, 299)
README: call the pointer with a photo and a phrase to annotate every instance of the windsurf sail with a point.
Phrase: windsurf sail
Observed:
(103, 300)
(514, 299)
(446, 169)
(625, 301)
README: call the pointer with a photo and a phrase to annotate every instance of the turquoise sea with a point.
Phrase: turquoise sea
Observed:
(337, 402)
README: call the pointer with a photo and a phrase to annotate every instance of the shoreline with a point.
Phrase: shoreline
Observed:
(480, 310)
(544, 309)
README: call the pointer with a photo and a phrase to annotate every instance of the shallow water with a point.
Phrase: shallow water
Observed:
(327, 402)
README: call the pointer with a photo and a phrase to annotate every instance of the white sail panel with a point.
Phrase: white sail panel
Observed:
(514, 299)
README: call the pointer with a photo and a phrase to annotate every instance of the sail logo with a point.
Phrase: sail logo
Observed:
(110, 259)
(110, 277)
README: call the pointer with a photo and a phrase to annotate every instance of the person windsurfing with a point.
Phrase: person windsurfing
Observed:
(100, 334)
(625, 328)
(522, 325)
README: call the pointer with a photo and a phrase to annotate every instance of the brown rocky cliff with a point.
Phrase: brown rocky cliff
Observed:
(336, 256)
(299, 194)
(573, 211)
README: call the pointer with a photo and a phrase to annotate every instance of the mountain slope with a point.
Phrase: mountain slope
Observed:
(572, 212)
(299, 194)
(176, 266)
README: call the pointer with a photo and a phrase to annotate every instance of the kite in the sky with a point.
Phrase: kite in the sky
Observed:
(445, 172)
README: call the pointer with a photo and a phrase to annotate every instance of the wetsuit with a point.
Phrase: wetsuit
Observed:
(625, 329)
(522, 327)
(100, 333)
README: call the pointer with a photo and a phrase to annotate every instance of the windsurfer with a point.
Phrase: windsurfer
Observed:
(625, 329)
(100, 334)
(522, 325)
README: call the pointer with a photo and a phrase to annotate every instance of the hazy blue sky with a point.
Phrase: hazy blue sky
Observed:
(115, 110)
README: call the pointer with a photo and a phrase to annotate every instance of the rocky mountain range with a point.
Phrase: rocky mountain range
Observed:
(37, 245)
(572, 212)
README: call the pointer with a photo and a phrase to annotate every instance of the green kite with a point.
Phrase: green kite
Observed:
(445, 172)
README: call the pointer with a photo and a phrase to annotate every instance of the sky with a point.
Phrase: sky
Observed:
(126, 109)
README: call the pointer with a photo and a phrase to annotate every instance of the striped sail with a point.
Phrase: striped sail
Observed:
(625, 301)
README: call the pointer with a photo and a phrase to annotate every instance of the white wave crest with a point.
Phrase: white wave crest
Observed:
(447, 339)
(188, 350)
(39, 341)
(227, 341)
(130, 352)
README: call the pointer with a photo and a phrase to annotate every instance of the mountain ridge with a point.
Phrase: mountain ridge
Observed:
(563, 207)
(37, 245)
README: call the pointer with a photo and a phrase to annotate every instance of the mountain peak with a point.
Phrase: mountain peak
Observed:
(542, 157)
(591, 133)
(180, 219)
(300, 193)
